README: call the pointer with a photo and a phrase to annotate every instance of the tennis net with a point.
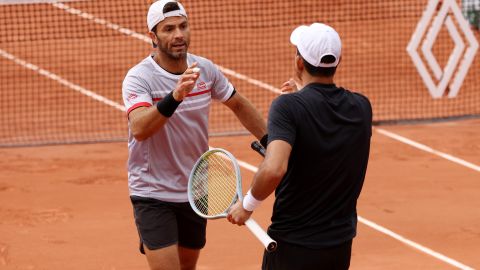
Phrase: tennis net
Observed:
(62, 63)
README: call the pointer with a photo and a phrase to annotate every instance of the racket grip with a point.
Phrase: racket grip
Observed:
(258, 147)
(269, 244)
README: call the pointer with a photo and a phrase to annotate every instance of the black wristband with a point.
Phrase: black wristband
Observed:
(264, 140)
(168, 105)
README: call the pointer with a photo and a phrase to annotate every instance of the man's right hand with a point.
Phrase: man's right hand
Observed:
(289, 87)
(186, 83)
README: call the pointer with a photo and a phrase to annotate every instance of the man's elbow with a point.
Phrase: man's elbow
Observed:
(275, 174)
(139, 134)
(139, 137)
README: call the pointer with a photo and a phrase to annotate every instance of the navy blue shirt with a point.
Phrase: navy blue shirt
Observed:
(329, 129)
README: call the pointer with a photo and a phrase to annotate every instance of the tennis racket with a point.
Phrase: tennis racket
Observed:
(215, 184)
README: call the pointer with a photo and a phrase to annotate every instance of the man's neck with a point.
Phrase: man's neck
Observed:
(307, 79)
(174, 66)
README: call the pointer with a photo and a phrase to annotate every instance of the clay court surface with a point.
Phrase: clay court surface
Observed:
(67, 207)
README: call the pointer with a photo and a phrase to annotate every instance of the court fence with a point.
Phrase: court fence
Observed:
(62, 63)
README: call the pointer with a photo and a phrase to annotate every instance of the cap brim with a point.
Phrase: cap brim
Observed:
(297, 33)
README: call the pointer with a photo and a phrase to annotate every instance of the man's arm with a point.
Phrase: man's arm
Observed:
(272, 169)
(145, 121)
(266, 180)
(248, 115)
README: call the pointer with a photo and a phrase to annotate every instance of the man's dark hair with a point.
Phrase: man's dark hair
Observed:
(170, 6)
(320, 71)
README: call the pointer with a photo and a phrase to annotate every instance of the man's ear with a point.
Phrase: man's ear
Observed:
(153, 37)
(299, 63)
(297, 74)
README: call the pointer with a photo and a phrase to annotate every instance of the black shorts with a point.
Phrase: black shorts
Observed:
(288, 256)
(161, 224)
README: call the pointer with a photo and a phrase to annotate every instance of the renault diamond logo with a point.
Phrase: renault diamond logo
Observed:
(456, 68)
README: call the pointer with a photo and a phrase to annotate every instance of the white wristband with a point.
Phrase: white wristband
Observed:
(249, 202)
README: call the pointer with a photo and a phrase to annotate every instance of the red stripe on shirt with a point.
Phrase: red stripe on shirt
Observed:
(199, 93)
(189, 95)
(141, 104)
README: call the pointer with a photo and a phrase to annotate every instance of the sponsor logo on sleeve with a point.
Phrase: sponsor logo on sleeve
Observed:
(132, 96)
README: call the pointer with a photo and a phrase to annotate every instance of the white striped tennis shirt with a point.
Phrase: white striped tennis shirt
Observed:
(159, 166)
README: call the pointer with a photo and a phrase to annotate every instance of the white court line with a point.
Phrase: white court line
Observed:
(413, 244)
(428, 149)
(247, 166)
(61, 80)
(146, 39)
(390, 233)
(252, 168)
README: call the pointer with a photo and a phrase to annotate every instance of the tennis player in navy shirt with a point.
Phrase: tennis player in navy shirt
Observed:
(316, 160)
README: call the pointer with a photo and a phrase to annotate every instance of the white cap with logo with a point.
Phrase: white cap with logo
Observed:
(156, 15)
(316, 41)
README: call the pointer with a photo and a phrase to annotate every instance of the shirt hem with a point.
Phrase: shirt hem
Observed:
(160, 198)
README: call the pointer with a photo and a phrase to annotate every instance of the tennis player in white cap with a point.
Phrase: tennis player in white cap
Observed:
(167, 97)
(317, 155)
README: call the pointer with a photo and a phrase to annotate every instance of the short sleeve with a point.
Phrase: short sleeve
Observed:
(222, 89)
(135, 93)
(281, 121)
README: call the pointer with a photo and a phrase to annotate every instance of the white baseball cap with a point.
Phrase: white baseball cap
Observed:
(156, 15)
(316, 41)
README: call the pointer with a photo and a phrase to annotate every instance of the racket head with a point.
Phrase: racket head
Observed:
(214, 184)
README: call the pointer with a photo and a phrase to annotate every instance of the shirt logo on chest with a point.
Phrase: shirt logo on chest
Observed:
(201, 86)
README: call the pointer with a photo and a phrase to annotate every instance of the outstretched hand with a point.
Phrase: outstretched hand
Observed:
(289, 87)
(186, 83)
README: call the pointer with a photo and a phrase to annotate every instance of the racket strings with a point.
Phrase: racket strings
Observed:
(221, 185)
(214, 184)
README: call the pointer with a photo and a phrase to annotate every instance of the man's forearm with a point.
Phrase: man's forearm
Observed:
(263, 186)
(272, 170)
(252, 121)
(248, 115)
(144, 122)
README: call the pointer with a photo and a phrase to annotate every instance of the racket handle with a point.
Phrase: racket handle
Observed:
(269, 244)
(258, 147)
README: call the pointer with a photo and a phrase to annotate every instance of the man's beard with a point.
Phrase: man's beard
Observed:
(174, 55)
